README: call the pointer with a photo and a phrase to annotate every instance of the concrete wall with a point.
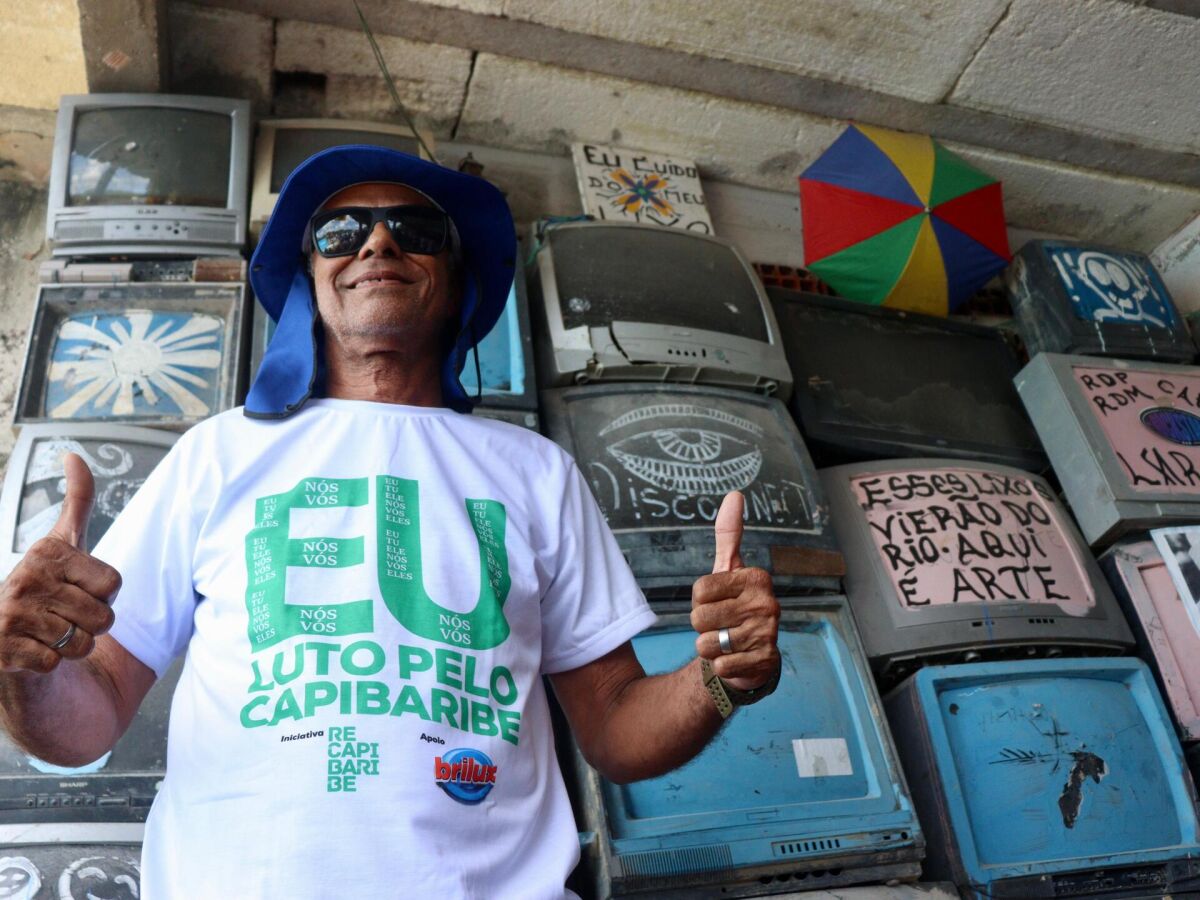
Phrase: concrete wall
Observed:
(42, 52)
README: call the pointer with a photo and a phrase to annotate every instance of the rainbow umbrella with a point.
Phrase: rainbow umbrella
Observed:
(898, 220)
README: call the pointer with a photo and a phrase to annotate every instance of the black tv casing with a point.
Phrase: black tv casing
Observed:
(916, 366)
(1046, 316)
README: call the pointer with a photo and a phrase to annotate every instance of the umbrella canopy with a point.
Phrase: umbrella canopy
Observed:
(897, 219)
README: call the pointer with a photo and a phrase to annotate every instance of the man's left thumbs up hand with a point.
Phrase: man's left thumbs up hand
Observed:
(737, 606)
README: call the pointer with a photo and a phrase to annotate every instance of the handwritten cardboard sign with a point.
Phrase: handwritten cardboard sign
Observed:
(632, 186)
(1152, 422)
(950, 535)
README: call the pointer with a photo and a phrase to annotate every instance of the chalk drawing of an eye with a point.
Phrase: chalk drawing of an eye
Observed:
(19, 878)
(100, 876)
(689, 461)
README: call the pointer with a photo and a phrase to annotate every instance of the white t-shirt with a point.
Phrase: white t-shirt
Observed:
(368, 595)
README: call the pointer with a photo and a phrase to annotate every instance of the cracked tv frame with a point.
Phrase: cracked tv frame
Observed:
(1047, 779)
(799, 791)
(1123, 437)
(660, 458)
(952, 561)
(161, 354)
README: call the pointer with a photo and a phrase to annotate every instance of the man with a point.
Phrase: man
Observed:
(369, 586)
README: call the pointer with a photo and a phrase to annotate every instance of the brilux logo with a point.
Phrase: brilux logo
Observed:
(465, 775)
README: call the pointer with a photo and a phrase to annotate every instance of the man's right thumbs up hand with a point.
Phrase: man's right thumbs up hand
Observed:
(56, 600)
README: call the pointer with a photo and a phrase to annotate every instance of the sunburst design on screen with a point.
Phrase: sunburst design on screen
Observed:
(135, 363)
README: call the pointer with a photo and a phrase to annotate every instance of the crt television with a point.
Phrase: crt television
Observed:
(120, 457)
(661, 457)
(1123, 437)
(1167, 637)
(799, 790)
(873, 383)
(1078, 298)
(949, 561)
(149, 174)
(629, 302)
(282, 144)
(165, 354)
(1048, 779)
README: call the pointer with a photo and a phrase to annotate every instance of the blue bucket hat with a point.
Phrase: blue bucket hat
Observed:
(292, 368)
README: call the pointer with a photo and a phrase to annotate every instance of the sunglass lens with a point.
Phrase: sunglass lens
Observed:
(338, 235)
(418, 230)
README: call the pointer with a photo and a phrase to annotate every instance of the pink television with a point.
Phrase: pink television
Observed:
(1166, 637)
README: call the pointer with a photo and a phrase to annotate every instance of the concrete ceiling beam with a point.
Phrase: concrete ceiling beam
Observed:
(124, 45)
(666, 67)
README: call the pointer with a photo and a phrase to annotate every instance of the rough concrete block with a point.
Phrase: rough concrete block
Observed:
(514, 103)
(22, 248)
(124, 45)
(1122, 212)
(221, 53)
(910, 48)
(486, 7)
(1098, 66)
(42, 53)
(430, 78)
(26, 140)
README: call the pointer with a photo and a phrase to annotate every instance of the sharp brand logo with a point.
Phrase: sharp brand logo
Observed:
(465, 775)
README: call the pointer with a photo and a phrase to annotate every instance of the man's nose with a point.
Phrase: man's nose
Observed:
(379, 243)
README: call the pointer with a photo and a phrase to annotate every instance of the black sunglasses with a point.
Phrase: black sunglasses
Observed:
(422, 230)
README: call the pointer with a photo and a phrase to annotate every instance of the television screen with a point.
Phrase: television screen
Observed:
(162, 354)
(801, 786)
(118, 787)
(505, 358)
(1077, 298)
(151, 156)
(1168, 638)
(949, 560)
(1026, 790)
(874, 383)
(294, 145)
(619, 279)
(631, 302)
(119, 456)
(137, 175)
(1123, 437)
(660, 458)
(282, 144)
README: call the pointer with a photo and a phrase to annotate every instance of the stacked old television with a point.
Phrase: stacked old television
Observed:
(664, 375)
(137, 333)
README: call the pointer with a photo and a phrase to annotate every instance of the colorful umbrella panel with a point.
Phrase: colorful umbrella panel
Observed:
(898, 220)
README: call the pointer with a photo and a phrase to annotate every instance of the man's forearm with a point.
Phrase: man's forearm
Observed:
(647, 726)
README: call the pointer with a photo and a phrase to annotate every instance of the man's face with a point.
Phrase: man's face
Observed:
(381, 298)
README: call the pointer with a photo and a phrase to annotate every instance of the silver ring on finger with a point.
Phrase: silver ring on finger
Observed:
(65, 639)
(724, 641)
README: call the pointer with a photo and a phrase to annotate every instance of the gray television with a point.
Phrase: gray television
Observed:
(626, 302)
(149, 175)
(1123, 437)
(952, 561)
(119, 456)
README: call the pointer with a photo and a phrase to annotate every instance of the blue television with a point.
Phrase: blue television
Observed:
(1048, 779)
(799, 791)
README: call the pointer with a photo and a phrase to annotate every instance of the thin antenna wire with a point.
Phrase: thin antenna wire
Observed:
(391, 85)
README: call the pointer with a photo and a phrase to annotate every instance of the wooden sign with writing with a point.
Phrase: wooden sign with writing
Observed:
(1152, 422)
(631, 186)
